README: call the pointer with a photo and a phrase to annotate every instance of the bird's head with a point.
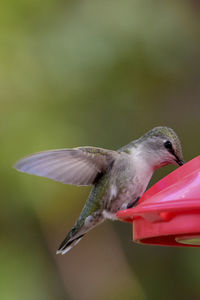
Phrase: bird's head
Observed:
(162, 146)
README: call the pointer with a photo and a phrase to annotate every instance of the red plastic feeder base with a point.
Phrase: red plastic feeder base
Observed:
(168, 214)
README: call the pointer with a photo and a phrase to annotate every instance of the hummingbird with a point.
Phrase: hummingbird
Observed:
(118, 178)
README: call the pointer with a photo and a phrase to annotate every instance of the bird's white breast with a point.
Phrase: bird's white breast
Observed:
(143, 170)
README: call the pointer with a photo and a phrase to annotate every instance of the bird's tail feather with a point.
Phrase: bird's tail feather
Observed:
(69, 243)
(78, 231)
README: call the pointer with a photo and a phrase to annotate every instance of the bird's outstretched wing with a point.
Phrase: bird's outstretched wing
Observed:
(78, 166)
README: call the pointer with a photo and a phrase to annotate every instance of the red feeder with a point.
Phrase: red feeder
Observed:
(168, 214)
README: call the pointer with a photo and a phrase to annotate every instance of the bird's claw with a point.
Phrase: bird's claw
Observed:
(133, 203)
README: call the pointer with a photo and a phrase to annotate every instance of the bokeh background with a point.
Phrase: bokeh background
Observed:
(95, 73)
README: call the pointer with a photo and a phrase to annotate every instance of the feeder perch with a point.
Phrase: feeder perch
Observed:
(168, 214)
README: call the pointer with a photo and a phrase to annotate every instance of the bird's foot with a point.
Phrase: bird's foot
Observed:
(133, 203)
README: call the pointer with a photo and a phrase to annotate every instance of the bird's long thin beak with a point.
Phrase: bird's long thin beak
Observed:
(180, 162)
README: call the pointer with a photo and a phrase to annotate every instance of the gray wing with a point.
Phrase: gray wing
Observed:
(79, 166)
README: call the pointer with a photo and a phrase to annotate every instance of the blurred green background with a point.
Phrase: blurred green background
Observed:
(95, 73)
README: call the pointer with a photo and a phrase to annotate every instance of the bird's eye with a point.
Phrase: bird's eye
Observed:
(168, 145)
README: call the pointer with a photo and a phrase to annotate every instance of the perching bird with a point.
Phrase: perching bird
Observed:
(118, 178)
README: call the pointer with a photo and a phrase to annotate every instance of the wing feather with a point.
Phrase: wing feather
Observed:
(78, 166)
